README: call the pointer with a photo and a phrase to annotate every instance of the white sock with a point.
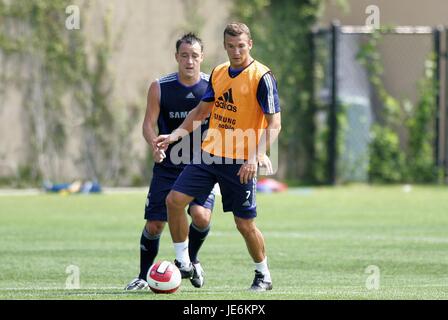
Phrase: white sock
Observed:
(263, 268)
(182, 256)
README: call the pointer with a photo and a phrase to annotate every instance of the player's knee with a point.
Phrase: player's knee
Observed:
(200, 216)
(201, 222)
(245, 226)
(155, 228)
(173, 200)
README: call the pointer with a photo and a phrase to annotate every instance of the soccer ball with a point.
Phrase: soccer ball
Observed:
(164, 277)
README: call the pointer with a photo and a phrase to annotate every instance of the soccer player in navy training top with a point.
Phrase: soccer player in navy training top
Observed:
(170, 99)
(241, 98)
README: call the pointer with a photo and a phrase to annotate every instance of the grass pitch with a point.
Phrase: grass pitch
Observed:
(320, 244)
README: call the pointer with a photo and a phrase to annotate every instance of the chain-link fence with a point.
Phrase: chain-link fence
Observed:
(380, 98)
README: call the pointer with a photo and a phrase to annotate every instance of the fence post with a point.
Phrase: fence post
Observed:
(311, 109)
(333, 108)
(437, 33)
(445, 111)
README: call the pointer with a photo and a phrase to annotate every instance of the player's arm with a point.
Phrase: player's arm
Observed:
(268, 138)
(258, 156)
(193, 120)
(150, 120)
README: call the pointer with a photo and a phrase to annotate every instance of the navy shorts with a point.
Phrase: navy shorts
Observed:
(197, 180)
(162, 182)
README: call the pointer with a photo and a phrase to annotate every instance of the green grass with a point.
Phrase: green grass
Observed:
(319, 243)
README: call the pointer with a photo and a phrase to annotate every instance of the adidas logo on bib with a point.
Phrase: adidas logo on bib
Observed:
(226, 101)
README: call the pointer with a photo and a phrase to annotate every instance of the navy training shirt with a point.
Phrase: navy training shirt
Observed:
(176, 101)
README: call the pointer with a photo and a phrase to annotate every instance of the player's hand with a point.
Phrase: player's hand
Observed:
(162, 142)
(265, 164)
(247, 172)
(158, 155)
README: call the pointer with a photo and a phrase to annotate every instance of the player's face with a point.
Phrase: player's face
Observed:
(189, 58)
(238, 49)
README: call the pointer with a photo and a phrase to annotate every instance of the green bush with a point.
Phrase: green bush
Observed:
(387, 161)
(392, 160)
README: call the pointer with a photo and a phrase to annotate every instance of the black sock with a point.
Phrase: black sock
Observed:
(196, 238)
(149, 247)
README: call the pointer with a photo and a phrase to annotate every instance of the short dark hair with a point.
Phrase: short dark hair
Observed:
(235, 29)
(189, 38)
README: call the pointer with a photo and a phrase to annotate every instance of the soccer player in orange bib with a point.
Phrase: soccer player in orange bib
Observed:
(243, 104)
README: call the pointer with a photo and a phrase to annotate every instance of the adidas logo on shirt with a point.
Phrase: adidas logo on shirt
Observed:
(226, 101)
(190, 96)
